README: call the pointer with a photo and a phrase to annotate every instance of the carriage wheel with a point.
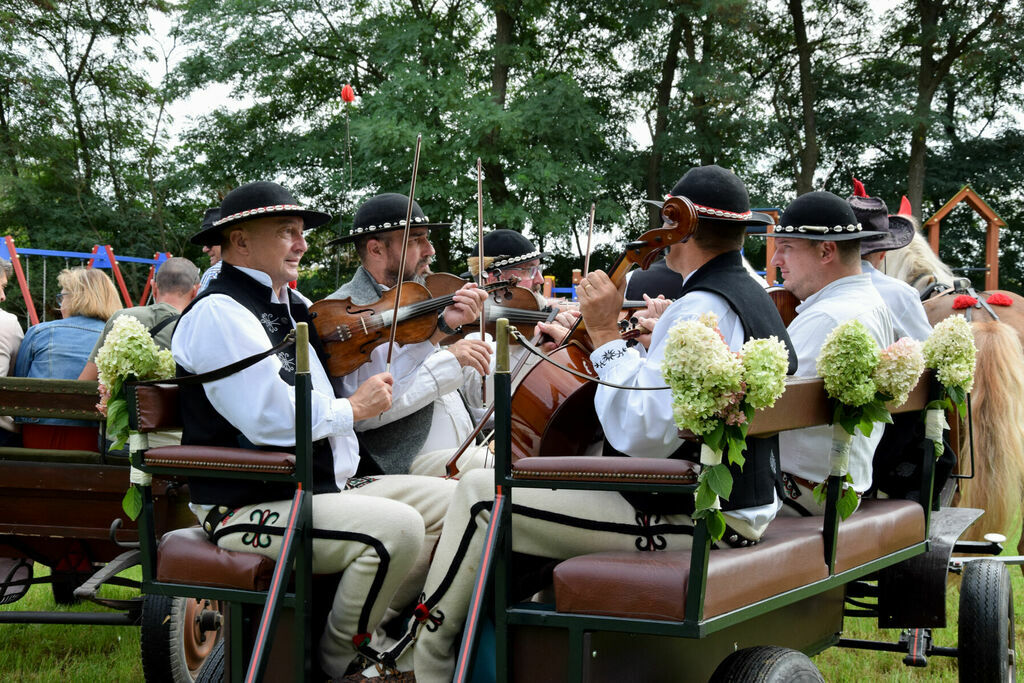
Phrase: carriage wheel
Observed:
(178, 635)
(767, 664)
(986, 649)
(213, 669)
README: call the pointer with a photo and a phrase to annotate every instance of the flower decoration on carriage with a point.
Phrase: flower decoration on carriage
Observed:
(951, 352)
(860, 379)
(128, 354)
(715, 392)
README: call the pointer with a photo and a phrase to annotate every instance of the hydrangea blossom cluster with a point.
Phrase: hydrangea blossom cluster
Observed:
(847, 364)
(765, 362)
(951, 352)
(899, 368)
(129, 350)
(705, 376)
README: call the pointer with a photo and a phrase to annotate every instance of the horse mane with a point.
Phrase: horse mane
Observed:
(998, 413)
(916, 264)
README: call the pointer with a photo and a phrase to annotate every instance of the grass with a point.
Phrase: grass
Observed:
(40, 653)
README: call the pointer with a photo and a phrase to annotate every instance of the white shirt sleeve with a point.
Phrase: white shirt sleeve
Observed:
(640, 423)
(218, 331)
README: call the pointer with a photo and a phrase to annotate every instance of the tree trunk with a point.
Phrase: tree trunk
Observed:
(7, 142)
(808, 153)
(663, 97)
(494, 173)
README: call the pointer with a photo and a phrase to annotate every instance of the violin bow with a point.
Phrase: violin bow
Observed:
(480, 262)
(590, 234)
(405, 248)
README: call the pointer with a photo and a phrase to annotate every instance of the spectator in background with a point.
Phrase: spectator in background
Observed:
(213, 252)
(174, 287)
(58, 349)
(10, 340)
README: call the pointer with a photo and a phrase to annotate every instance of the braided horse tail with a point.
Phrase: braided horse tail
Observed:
(997, 410)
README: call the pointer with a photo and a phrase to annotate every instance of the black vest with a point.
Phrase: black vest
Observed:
(658, 279)
(203, 425)
(725, 275)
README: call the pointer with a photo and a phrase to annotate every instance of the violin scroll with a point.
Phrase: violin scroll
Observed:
(680, 221)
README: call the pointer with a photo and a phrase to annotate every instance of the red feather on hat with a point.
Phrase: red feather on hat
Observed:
(905, 209)
(858, 189)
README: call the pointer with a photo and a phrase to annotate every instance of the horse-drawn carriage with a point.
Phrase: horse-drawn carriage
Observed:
(61, 509)
(750, 613)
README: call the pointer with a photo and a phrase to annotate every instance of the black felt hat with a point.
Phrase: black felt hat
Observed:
(873, 214)
(386, 213)
(718, 195)
(256, 200)
(821, 216)
(212, 214)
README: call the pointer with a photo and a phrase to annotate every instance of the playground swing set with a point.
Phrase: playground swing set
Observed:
(101, 256)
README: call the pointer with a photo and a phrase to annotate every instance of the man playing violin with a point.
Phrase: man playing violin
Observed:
(565, 523)
(428, 421)
(817, 250)
(376, 531)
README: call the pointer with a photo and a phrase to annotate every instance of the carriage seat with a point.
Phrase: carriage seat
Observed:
(653, 585)
(187, 556)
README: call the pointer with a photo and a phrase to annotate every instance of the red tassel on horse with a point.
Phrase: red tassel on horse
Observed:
(999, 299)
(964, 301)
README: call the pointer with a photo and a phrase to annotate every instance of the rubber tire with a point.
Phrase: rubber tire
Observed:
(767, 664)
(162, 641)
(213, 667)
(986, 631)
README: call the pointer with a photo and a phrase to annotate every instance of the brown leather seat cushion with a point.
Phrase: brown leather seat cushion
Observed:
(877, 528)
(187, 556)
(598, 468)
(652, 585)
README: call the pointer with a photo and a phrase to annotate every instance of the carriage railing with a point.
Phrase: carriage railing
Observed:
(805, 406)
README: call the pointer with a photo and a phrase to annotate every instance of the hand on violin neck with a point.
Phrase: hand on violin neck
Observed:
(465, 307)
(372, 397)
(472, 353)
(654, 309)
(552, 334)
(600, 303)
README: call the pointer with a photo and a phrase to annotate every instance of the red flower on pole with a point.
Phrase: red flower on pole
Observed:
(348, 95)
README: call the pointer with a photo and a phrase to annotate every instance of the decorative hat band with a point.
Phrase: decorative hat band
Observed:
(255, 212)
(819, 229)
(500, 261)
(719, 213)
(385, 226)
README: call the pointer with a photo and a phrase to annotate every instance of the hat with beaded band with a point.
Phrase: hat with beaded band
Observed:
(821, 216)
(255, 200)
(386, 213)
(718, 195)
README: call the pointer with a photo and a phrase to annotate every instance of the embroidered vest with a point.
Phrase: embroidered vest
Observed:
(725, 275)
(392, 447)
(203, 425)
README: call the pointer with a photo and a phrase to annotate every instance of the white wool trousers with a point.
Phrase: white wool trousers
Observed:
(378, 534)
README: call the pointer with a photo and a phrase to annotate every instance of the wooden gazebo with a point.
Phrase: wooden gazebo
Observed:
(992, 225)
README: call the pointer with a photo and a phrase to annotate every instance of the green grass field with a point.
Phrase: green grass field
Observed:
(89, 654)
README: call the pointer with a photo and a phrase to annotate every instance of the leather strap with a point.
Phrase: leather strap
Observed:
(227, 370)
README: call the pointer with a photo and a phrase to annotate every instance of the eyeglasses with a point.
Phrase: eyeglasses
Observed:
(60, 298)
(523, 273)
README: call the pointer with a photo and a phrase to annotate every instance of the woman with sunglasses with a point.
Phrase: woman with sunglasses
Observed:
(58, 349)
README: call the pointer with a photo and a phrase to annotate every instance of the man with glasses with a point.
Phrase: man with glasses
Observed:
(430, 420)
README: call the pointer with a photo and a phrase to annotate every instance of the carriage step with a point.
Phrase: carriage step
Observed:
(88, 590)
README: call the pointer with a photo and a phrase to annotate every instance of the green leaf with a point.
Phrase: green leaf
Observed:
(847, 502)
(819, 493)
(736, 448)
(866, 426)
(716, 524)
(957, 394)
(962, 409)
(704, 497)
(714, 438)
(132, 502)
(719, 480)
(117, 421)
(877, 412)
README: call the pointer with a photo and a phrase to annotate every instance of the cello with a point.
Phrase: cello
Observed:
(553, 411)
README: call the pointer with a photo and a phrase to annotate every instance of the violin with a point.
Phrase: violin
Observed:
(553, 411)
(785, 301)
(350, 332)
(517, 304)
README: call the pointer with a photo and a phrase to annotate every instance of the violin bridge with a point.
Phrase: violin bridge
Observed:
(362, 321)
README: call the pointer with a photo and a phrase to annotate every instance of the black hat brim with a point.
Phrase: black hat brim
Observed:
(900, 234)
(370, 233)
(214, 235)
(756, 217)
(826, 237)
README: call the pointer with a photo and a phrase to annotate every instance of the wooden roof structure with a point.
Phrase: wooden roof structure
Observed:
(992, 224)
